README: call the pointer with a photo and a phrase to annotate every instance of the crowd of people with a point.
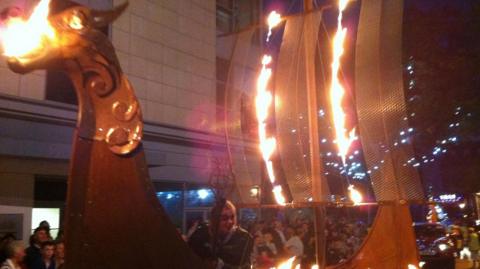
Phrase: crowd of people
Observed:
(276, 240)
(344, 237)
(465, 237)
(42, 253)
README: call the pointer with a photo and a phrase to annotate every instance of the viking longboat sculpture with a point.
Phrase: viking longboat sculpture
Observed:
(113, 218)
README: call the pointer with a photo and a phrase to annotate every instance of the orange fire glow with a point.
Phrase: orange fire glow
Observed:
(263, 103)
(355, 195)
(273, 20)
(288, 264)
(22, 37)
(344, 138)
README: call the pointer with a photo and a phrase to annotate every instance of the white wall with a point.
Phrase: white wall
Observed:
(27, 218)
(167, 49)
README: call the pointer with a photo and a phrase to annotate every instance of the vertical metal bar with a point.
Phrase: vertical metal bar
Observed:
(315, 161)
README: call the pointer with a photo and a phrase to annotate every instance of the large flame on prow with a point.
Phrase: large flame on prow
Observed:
(22, 37)
(343, 138)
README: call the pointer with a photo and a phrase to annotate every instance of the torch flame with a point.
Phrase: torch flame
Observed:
(337, 90)
(23, 37)
(263, 103)
(288, 264)
(355, 195)
(273, 20)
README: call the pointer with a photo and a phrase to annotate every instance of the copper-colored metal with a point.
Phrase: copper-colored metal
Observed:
(381, 108)
(113, 217)
(108, 108)
(380, 101)
(319, 183)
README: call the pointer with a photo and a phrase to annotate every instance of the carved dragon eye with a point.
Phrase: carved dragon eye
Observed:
(76, 21)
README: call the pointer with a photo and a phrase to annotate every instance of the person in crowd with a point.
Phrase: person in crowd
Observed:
(457, 238)
(265, 259)
(60, 235)
(262, 255)
(4, 242)
(14, 253)
(33, 254)
(45, 224)
(278, 237)
(294, 244)
(474, 247)
(222, 241)
(59, 254)
(268, 241)
(257, 228)
(47, 250)
(308, 241)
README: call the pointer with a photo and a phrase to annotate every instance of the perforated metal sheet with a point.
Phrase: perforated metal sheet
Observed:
(239, 90)
(381, 102)
(291, 109)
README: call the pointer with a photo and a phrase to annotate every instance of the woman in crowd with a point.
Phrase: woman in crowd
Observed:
(14, 253)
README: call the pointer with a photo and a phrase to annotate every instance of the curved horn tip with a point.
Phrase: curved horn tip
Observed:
(121, 8)
(103, 18)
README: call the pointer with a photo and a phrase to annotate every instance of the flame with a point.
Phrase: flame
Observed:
(337, 90)
(411, 266)
(288, 264)
(355, 195)
(263, 103)
(23, 37)
(273, 20)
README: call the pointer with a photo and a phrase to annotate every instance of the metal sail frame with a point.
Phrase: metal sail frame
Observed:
(378, 56)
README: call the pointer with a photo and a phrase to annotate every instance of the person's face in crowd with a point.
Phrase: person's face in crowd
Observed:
(47, 252)
(289, 232)
(268, 237)
(258, 240)
(227, 220)
(264, 254)
(278, 225)
(41, 236)
(60, 250)
(19, 254)
(300, 232)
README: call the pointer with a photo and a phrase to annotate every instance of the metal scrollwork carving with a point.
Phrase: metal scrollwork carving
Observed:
(108, 108)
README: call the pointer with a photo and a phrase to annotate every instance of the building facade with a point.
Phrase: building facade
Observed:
(167, 49)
